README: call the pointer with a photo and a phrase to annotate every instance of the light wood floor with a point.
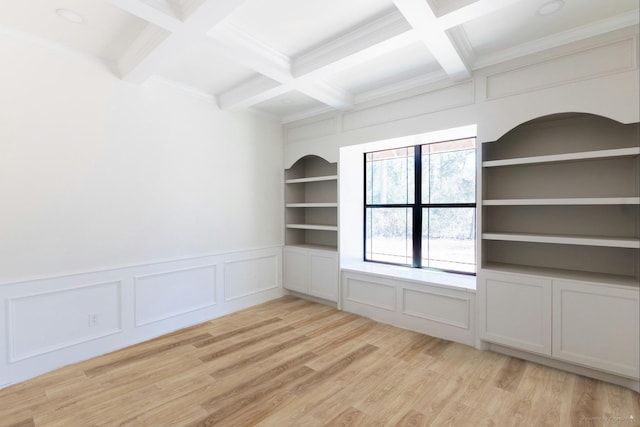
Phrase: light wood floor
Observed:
(291, 362)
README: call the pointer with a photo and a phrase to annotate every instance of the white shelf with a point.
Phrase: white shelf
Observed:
(313, 247)
(583, 276)
(564, 201)
(584, 155)
(612, 242)
(312, 179)
(311, 205)
(313, 227)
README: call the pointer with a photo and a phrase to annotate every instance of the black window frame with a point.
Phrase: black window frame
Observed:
(417, 208)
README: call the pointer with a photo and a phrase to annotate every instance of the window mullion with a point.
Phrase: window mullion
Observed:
(417, 209)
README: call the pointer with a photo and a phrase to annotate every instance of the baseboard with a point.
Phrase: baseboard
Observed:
(57, 321)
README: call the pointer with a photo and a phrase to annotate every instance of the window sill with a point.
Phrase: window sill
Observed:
(441, 279)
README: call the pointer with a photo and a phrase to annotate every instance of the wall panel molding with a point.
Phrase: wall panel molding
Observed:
(446, 98)
(50, 324)
(584, 64)
(44, 322)
(313, 129)
(437, 306)
(160, 296)
(250, 276)
(371, 293)
(443, 312)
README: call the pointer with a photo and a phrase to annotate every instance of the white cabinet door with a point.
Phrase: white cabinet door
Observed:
(296, 271)
(597, 326)
(323, 274)
(310, 271)
(515, 311)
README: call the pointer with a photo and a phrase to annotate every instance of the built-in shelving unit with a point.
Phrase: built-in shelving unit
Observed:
(563, 193)
(311, 228)
(311, 204)
(560, 258)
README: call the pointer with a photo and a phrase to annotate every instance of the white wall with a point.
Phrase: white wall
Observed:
(95, 172)
(120, 183)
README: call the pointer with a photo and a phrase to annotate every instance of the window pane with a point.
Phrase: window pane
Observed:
(390, 176)
(389, 235)
(451, 172)
(448, 239)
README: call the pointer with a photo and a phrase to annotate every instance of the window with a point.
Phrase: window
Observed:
(420, 206)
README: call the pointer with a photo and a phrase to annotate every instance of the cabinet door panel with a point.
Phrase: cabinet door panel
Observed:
(323, 275)
(516, 311)
(597, 326)
(296, 273)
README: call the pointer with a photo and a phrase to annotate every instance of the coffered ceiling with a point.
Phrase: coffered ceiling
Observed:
(294, 58)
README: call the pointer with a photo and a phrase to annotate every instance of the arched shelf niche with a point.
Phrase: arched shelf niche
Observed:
(561, 193)
(311, 203)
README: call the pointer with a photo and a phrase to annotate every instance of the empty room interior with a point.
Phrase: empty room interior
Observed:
(309, 213)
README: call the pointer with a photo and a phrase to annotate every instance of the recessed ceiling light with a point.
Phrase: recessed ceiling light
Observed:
(550, 7)
(70, 16)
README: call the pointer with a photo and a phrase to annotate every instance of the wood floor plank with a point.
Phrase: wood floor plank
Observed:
(258, 381)
(24, 423)
(246, 343)
(585, 404)
(142, 356)
(291, 362)
(511, 374)
(236, 332)
(349, 417)
(253, 396)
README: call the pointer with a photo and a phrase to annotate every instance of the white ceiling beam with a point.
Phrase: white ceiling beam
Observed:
(252, 92)
(377, 37)
(146, 54)
(374, 38)
(258, 56)
(156, 45)
(250, 52)
(145, 11)
(326, 93)
(425, 23)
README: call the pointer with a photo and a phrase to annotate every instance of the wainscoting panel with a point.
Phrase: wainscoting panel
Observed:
(52, 322)
(373, 294)
(244, 277)
(164, 295)
(48, 321)
(443, 312)
(447, 309)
